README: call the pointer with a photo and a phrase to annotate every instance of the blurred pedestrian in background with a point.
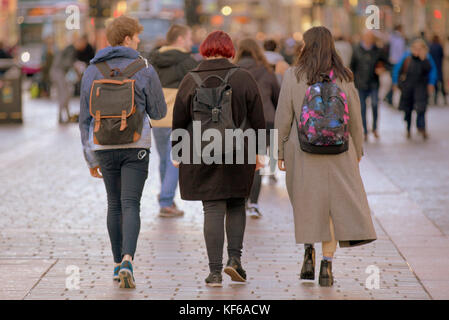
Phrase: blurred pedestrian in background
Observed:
(326, 190)
(223, 188)
(287, 49)
(415, 75)
(46, 62)
(251, 57)
(172, 62)
(397, 47)
(437, 52)
(446, 66)
(123, 167)
(275, 59)
(63, 62)
(344, 49)
(84, 53)
(365, 59)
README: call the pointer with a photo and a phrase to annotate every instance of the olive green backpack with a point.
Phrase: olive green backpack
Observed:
(113, 107)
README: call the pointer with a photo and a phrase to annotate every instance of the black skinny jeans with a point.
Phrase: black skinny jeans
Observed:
(214, 216)
(124, 173)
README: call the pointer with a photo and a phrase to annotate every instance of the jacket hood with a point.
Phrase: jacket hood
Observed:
(167, 58)
(115, 52)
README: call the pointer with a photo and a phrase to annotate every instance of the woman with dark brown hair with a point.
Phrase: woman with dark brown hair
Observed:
(251, 57)
(325, 188)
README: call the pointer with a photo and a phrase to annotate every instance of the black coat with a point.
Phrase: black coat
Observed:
(268, 87)
(414, 89)
(363, 65)
(171, 66)
(218, 181)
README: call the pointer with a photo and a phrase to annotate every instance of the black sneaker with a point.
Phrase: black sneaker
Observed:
(214, 279)
(234, 270)
(326, 278)
(126, 275)
(308, 265)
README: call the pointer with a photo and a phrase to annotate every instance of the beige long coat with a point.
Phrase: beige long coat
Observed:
(323, 185)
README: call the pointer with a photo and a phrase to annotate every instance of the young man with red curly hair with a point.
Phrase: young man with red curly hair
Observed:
(222, 188)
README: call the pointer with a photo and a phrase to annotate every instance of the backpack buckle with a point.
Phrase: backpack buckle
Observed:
(215, 113)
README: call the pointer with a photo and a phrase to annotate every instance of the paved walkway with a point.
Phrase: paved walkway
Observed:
(53, 221)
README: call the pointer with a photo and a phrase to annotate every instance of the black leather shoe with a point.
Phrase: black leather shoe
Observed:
(326, 278)
(234, 270)
(308, 266)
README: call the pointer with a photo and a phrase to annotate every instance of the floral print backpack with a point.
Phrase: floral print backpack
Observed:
(323, 122)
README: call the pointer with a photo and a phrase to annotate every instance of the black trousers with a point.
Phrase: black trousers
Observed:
(124, 173)
(215, 212)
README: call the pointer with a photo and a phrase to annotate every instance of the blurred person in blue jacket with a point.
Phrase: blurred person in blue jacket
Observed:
(415, 75)
(437, 52)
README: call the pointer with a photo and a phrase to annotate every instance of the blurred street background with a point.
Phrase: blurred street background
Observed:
(53, 213)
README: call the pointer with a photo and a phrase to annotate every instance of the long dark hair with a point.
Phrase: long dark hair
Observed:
(319, 56)
(249, 47)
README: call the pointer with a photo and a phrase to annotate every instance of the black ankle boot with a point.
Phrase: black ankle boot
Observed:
(308, 266)
(326, 278)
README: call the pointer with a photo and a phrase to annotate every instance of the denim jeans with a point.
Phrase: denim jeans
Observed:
(364, 94)
(124, 174)
(169, 174)
(420, 119)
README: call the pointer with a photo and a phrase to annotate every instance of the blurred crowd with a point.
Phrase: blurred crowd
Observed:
(376, 58)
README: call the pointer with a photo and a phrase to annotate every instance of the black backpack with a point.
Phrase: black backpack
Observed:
(213, 107)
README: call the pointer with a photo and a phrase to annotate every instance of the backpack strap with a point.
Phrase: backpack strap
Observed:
(230, 73)
(134, 67)
(199, 82)
(196, 78)
(104, 68)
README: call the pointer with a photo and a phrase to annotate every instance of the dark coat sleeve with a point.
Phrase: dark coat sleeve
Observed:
(275, 90)
(181, 110)
(254, 104)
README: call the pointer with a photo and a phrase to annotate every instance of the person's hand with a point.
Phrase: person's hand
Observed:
(260, 163)
(175, 163)
(281, 165)
(95, 172)
(379, 70)
(430, 89)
